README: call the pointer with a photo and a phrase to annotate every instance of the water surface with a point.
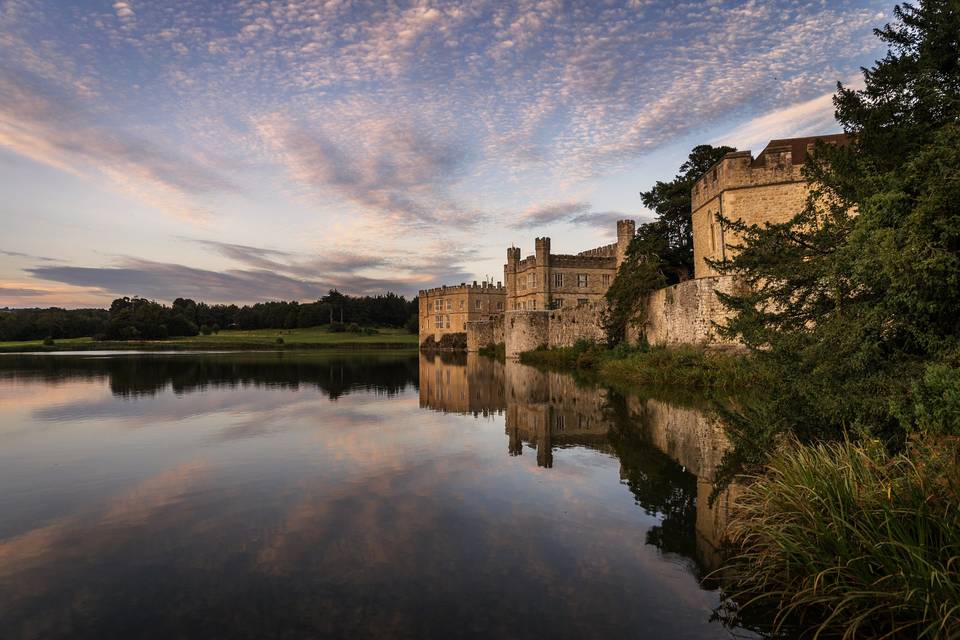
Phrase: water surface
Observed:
(275, 495)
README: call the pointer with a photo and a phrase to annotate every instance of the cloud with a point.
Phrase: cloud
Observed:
(606, 220)
(17, 254)
(547, 214)
(301, 279)
(575, 213)
(20, 291)
(811, 117)
(41, 122)
(391, 168)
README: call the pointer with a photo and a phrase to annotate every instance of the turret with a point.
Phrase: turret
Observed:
(626, 230)
(513, 259)
(542, 251)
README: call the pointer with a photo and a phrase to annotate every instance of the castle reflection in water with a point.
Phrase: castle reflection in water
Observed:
(668, 454)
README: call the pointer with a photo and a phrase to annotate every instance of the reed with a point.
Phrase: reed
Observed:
(846, 539)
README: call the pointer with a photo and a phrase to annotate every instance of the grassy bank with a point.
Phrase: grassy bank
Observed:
(311, 338)
(637, 368)
(846, 539)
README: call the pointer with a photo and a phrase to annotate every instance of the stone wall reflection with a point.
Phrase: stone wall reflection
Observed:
(668, 454)
(548, 409)
(697, 441)
(462, 383)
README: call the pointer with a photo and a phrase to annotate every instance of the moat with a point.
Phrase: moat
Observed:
(277, 495)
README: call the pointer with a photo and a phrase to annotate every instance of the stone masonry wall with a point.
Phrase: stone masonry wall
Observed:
(483, 333)
(685, 313)
(527, 330)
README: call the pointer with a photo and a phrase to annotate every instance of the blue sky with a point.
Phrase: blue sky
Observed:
(246, 150)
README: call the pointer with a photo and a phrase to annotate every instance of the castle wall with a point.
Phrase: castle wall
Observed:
(686, 313)
(525, 331)
(528, 330)
(484, 333)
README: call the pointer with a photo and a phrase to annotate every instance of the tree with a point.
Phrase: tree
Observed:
(853, 306)
(672, 231)
(662, 251)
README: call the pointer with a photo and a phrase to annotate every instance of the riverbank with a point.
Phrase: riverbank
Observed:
(272, 339)
(687, 368)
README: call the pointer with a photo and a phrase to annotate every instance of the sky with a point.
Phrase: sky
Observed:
(251, 150)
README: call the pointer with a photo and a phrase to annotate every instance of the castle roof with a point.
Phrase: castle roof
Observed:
(798, 146)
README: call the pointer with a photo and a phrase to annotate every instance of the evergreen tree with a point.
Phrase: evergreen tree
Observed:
(854, 309)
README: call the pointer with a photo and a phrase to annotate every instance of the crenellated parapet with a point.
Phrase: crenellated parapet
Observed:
(768, 188)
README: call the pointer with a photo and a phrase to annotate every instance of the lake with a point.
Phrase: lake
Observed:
(363, 495)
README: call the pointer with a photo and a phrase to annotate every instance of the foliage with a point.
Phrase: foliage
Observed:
(141, 319)
(846, 539)
(497, 351)
(853, 305)
(662, 251)
(672, 231)
(640, 367)
(37, 324)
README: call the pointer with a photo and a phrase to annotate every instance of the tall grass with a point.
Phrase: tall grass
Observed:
(848, 540)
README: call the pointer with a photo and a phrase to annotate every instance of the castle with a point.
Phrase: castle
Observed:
(554, 300)
(554, 281)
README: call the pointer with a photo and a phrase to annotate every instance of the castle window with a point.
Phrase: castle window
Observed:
(581, 301)
(439, 321)
(558, 303)
(499, 306)
(449, 305)
(606, 279)
(533, 305)
(560, 422)
(581, 279)
(558, 279)
(531, 280)
(461, 305)
(479, 305)
(436, 305)
(447, 322)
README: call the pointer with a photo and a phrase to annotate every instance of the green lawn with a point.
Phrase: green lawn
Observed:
(313, 335)
(38, 343)
(316, 337)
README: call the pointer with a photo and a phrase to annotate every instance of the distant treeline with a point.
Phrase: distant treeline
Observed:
(139, 318)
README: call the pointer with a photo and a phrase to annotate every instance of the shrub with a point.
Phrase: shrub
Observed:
(337, 327)
(215, 328)
(353, 328)
(370, 331)
(279, 340)
(206, 329)
(48, 342)
(852, 540)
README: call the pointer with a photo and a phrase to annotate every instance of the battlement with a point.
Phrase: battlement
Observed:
(781, 161)
(606, 251)
(463, 287)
